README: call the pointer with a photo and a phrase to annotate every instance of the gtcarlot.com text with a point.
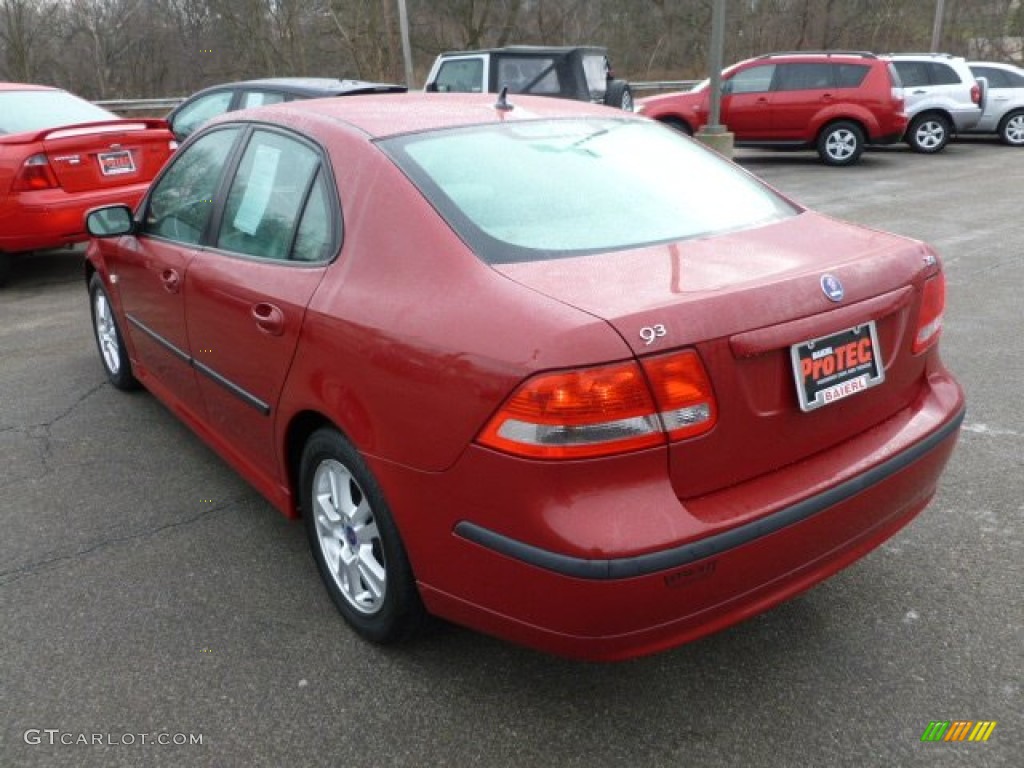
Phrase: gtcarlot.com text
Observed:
(55, 736)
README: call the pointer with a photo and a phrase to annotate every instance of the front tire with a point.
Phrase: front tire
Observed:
(840, 143)
(355, 542)
(1011, 129)
(109, 341)
(928, 133)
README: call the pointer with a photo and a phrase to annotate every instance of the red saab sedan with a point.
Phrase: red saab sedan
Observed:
(61, 156)
(541, 368)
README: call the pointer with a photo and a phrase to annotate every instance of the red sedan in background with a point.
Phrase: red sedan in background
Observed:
(545, 369)
(61, 156)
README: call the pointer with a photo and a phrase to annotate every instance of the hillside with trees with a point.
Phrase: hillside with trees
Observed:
(106, 49)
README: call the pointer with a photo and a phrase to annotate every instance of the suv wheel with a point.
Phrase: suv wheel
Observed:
(928, 133)
(840, 143)
(1011, 130)
(5, 266)
(619, 95)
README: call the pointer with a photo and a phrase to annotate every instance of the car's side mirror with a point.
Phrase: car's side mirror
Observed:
(431, 87)
(110, 221)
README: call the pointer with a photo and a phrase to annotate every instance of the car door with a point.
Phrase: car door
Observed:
(460, 74)
(746, 103)
(801, 90)
(917, 84)
(246, 294)
(150, 268)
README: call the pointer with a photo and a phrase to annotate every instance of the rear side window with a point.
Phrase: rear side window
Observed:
(803, 77)
(528, 74)
(267, 196)
(850, 75)
(461, 76)
(260, 98)
(546, 189)
(943, 74)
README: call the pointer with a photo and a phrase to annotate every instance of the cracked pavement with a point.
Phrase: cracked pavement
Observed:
(146, 589)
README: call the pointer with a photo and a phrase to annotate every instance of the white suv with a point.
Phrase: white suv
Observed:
(941, 98)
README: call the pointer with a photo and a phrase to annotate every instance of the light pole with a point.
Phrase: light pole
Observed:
(714, 134)
(403, 25)
(940, 11)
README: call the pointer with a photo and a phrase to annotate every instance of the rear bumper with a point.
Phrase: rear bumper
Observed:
(570, 590)
(32, 221)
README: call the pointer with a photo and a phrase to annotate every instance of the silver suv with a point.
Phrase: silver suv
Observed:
(941, 98)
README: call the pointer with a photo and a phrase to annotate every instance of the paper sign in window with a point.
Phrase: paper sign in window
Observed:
(258, 189)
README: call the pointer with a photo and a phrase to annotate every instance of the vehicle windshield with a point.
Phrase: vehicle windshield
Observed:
(529, 191)
(38, 110)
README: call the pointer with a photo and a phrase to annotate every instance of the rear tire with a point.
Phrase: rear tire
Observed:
(928, 133)
(840, 143)
(355, 542)
(620, 95)
(5, 266)
(109, 341)
(1011, 129)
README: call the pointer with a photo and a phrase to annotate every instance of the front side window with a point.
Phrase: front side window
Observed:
(181, 203)
(544, 189)
(266, 196)
(753, 80)
(461, 76)
(913, 74)
(201, 110)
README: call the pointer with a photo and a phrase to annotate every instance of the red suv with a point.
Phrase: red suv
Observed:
(835, 102)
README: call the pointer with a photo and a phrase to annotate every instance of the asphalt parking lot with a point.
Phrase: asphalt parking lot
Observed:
(148, 594)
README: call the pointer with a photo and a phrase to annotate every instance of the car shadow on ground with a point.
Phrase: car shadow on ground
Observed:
(43, 268)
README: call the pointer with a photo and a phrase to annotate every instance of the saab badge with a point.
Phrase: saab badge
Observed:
(832, 288)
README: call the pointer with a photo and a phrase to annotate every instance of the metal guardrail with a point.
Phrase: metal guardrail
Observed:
(128, 106)
(662, 85)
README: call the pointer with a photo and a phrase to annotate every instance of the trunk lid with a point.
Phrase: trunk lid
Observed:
(95, 156)
(742, 300)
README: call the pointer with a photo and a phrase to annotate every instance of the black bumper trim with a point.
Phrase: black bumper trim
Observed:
(666, 559)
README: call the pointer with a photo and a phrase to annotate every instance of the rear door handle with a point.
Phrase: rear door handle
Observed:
(269, 318)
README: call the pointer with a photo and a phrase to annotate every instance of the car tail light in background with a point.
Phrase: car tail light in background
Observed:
(929, 318)
(976, 93)
(35, 174)
(604, 410)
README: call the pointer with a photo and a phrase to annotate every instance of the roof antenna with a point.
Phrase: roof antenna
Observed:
(502, 104)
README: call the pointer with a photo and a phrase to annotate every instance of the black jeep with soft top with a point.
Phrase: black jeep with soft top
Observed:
(573, 72)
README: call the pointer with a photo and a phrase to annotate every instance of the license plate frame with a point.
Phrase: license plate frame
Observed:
(113, 163)
(831, 368)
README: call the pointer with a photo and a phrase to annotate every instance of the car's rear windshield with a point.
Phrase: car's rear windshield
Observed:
(535, 190)
(37, 110)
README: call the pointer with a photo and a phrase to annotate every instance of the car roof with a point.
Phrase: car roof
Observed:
(25, 87)
(384, 115)
(538, 50)
(309, 86)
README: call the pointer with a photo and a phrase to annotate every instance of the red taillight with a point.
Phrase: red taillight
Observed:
(929, 318)
(976, 93)
(35, 174)
(604, 410)
(682, 390)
